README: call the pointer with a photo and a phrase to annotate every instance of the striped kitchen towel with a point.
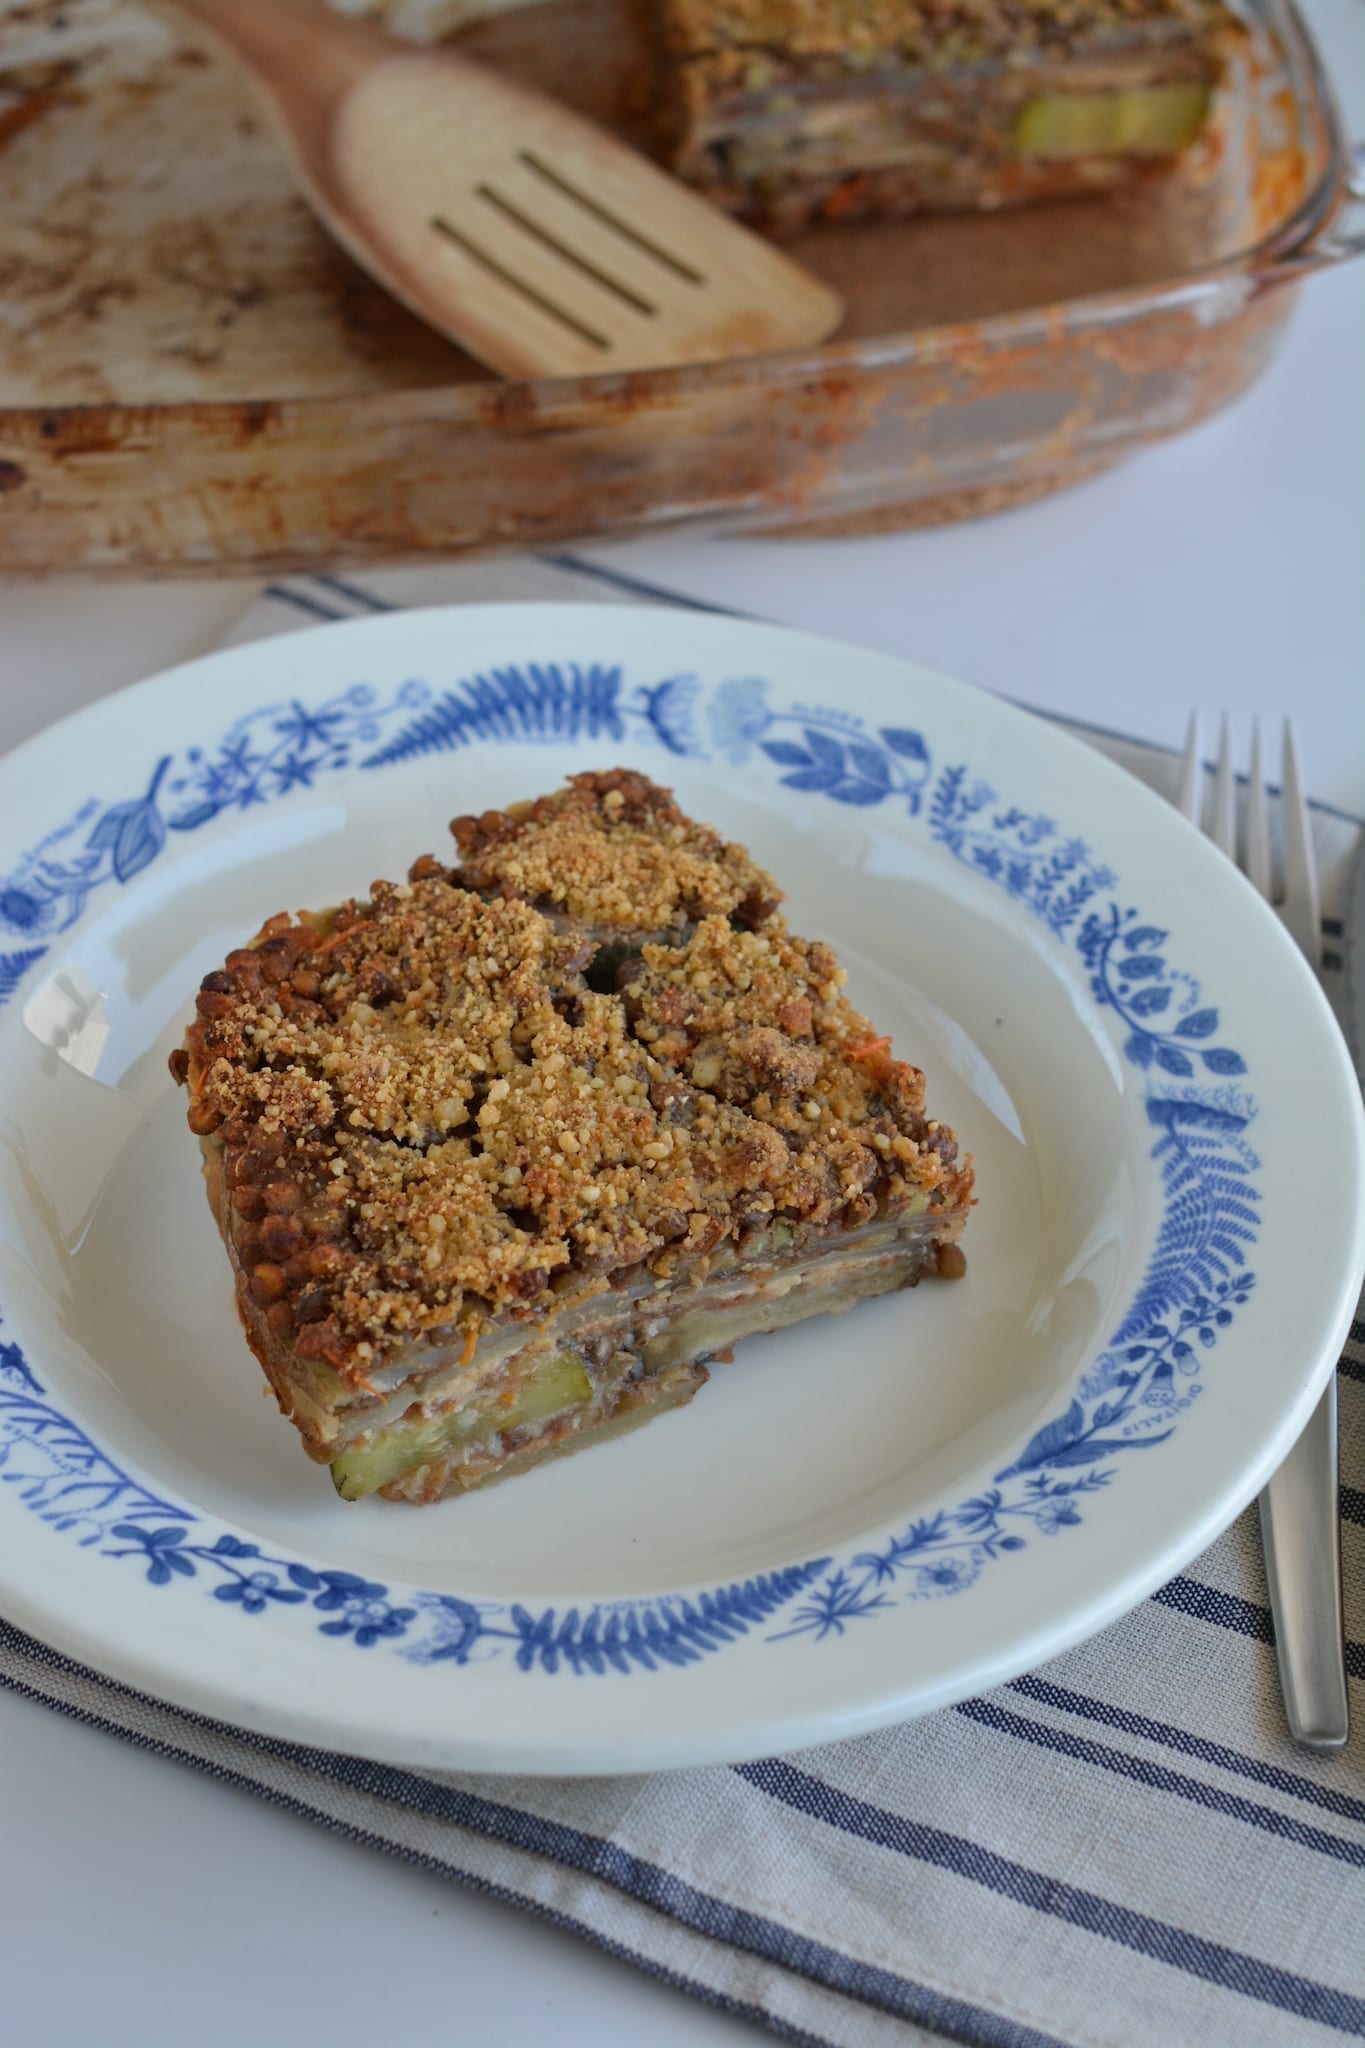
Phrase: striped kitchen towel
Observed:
(1122, 1850)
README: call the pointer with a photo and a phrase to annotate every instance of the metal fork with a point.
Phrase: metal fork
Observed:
(1300, 1521)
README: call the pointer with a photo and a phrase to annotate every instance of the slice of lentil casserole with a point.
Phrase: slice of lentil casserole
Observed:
(789, 111)
(504, 1154)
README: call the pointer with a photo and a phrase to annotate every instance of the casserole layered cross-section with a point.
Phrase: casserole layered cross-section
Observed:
(791, 110)
(502, 1155)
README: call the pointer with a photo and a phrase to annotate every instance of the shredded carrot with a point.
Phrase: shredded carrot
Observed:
(471, 1343)
(867, 1049)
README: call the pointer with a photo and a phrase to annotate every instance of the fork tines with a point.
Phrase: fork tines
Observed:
(1297, 897)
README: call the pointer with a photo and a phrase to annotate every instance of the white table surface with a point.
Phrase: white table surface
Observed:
(143, 1904)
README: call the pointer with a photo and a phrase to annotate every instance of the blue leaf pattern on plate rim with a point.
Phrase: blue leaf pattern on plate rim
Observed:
(1130, 1398)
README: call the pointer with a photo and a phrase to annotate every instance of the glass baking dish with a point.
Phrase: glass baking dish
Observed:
(295, 416)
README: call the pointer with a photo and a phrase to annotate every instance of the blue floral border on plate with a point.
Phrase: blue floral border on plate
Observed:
(1131, 1397)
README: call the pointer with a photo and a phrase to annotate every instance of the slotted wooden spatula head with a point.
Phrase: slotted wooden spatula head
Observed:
(538, 242)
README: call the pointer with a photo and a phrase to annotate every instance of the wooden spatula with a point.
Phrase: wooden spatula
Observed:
(539, 243)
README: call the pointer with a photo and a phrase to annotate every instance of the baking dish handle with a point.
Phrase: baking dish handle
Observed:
(1344, 238)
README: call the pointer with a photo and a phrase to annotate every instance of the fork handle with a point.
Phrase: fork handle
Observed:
(1301, 1531)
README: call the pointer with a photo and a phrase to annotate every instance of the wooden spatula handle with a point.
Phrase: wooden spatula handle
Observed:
(307, 52)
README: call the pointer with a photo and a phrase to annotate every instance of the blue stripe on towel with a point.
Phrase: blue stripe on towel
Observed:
(353, 591)
(637, 586)
(1228, 1968)
(1081, 1704)
(1228, 1610)
(1161, 1778)
(284, 593)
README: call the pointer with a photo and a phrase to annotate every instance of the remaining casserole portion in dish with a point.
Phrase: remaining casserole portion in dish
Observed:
(502, 1155)
(791, 110)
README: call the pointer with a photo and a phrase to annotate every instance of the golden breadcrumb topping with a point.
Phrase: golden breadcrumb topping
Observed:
(612, 852)
(433, 1111)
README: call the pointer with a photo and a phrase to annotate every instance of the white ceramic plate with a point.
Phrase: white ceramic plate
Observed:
(857, 1520)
